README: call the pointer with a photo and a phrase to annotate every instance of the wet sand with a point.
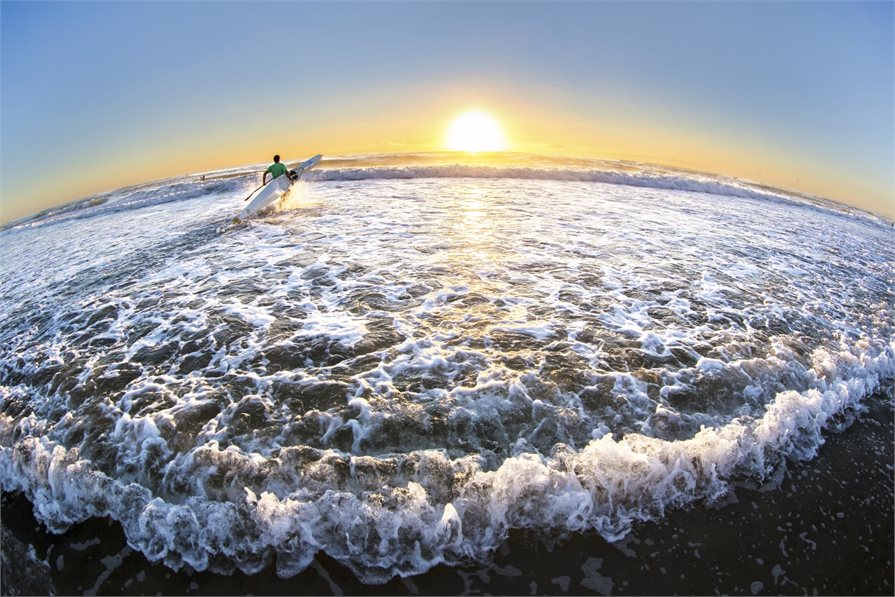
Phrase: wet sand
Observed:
(828, 530)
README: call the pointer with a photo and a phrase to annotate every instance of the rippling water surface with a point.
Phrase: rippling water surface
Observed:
(400, 365)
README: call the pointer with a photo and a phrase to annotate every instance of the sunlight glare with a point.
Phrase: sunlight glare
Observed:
(475, 131)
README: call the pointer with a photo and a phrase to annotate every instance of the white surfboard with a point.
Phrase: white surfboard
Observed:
(276, 188)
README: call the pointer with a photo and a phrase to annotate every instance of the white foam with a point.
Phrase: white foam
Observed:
(607, 485)
(340, 326)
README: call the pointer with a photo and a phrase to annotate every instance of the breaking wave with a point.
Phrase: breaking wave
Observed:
(652, 180)
(405, 513)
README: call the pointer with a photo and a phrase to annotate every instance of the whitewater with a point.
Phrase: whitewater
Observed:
(410, 357)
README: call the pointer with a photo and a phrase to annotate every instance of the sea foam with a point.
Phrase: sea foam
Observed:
(397, 372)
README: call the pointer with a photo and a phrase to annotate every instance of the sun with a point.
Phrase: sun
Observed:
(475, 131)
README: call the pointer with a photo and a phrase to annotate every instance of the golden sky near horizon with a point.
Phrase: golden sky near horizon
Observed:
(529, 126)
(794, 95)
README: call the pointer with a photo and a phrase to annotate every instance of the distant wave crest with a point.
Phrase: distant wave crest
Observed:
(437, 165)
(647, 179)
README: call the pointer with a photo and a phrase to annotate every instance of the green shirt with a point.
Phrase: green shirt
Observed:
(277, 169)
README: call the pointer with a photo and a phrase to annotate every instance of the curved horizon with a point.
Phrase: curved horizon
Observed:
(451, 164)
(794, 96)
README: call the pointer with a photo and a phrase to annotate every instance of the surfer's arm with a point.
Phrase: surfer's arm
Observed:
(264, 177)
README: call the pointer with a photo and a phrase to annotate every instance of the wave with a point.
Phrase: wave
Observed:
(437, 165)
(132, 198)
(616, 173)
(653, 180)
(401, 514)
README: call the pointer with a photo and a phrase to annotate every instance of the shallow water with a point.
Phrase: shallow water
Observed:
(396, 370)
(826, 530)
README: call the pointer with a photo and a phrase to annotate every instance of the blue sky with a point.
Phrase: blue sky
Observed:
(103, 94)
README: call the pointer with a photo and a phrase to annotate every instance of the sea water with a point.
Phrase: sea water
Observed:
(409, 357)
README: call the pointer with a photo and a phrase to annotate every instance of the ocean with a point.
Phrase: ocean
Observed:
(412, 368)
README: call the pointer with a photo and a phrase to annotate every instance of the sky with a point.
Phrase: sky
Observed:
(99, 95)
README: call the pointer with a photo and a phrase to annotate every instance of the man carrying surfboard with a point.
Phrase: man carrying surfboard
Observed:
(275, 170)
(269, 192)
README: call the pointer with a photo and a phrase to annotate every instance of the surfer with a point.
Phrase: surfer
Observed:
(275, 170)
